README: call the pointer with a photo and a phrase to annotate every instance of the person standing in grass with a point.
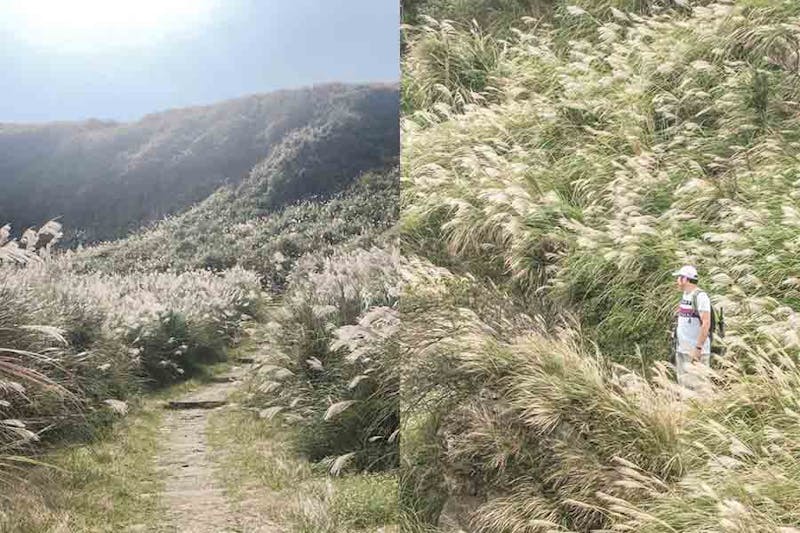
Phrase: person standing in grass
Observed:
(693, 342)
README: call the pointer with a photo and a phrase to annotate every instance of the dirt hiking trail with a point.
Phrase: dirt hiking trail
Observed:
(196, 499)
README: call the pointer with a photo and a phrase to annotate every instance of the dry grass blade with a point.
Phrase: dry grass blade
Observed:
(338, 408)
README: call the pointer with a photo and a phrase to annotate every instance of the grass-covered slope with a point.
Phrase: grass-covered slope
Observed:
(223, 231)
(559, 167)
(105, 179)
(83, 333)
(659, 142)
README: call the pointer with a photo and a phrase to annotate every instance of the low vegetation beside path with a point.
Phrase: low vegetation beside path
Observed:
(312, 440)
(78, 349)
(268, 481)
(109, 484)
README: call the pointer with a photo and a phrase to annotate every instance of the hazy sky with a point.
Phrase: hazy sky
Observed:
(121, 59)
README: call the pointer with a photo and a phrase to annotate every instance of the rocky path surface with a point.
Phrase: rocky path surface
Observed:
(195, 498)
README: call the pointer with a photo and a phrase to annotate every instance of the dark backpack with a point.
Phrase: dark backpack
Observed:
(717, 324)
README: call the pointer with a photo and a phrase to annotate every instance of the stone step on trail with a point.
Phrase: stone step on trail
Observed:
(195, 404)
(223, 379)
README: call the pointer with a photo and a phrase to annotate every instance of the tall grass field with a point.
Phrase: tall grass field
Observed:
(559, 161)
(294, 262)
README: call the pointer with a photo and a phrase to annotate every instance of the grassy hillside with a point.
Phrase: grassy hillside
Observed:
(299, 244)
(223, 231)
(106, 179)
(560, 159)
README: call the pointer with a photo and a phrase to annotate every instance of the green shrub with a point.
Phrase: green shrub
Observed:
(336, 375)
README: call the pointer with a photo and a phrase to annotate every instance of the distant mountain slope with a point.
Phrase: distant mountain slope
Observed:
(221, 232)
(105, 179)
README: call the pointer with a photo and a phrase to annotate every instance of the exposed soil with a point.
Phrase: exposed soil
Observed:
(195, 498)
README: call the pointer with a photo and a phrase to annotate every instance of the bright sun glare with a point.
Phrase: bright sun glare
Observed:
(88, 24)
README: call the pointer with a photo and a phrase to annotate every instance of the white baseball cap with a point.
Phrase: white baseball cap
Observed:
(687, 271)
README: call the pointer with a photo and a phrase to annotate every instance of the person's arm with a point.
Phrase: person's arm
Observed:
(705, 327)
(704, 310)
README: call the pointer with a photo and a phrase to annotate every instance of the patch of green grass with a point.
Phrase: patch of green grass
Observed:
(365, 500)
(108, 484)
(252, 452)
(358, 502)
(259, 468)
(105, 486)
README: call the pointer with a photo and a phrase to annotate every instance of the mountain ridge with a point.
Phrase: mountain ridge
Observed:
(105, 179)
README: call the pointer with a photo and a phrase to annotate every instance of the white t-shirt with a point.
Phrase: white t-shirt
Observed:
(689, 324)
